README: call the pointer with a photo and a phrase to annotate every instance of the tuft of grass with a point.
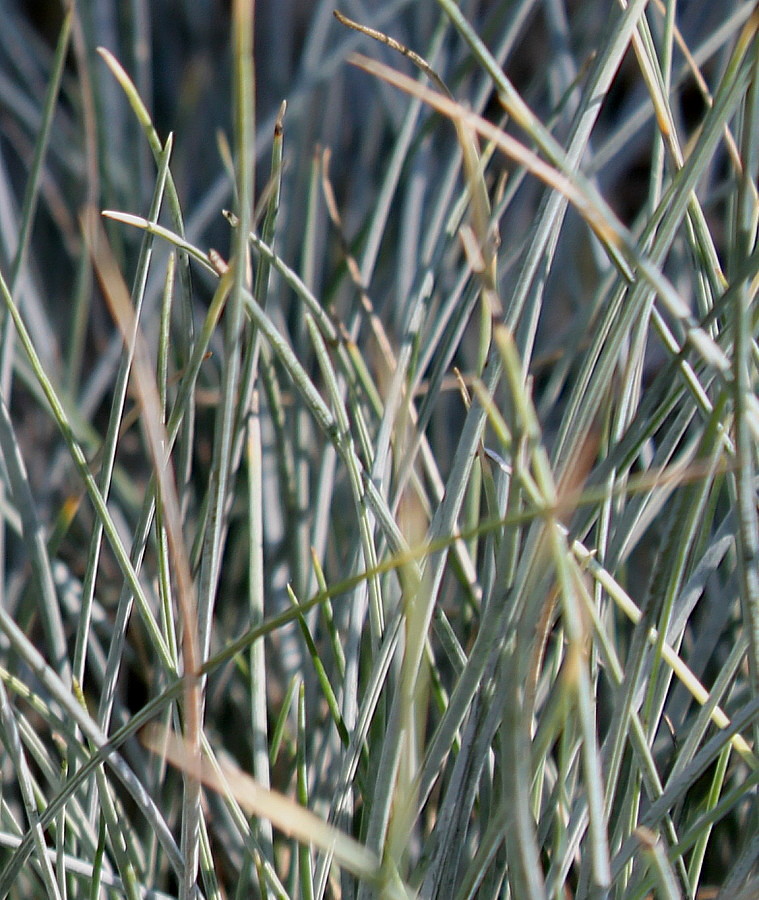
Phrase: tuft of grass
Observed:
(378, 424)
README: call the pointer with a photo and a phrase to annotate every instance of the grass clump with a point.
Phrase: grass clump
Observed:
(406, 543)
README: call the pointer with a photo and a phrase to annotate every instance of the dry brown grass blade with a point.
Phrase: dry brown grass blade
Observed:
(595, 212)
(120, 304)
(285, 814)
(486, 237)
